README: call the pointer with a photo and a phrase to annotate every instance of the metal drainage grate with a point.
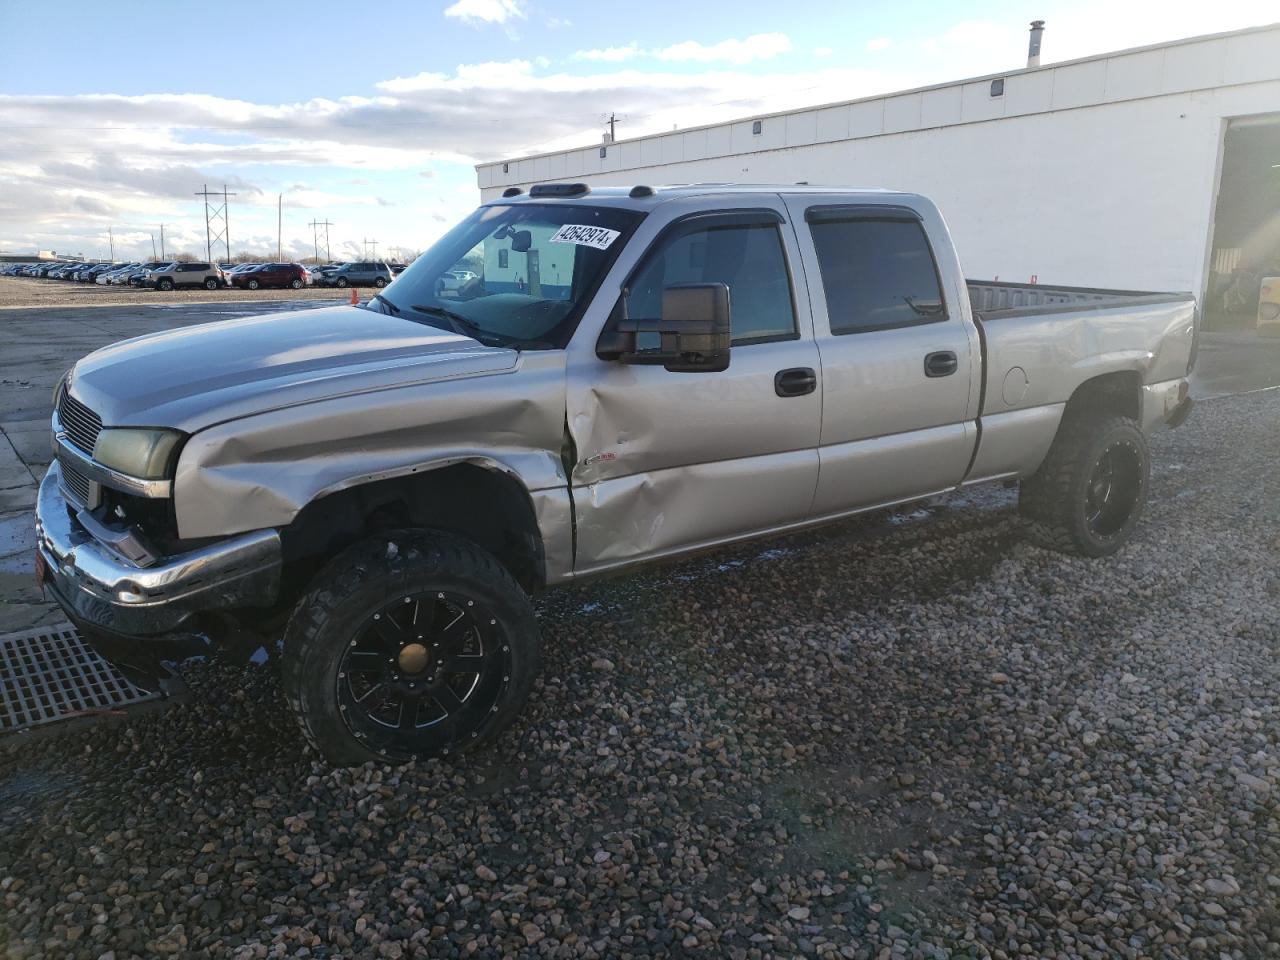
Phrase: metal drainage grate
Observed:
(51, 674)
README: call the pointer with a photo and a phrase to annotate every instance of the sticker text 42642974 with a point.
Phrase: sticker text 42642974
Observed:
(585, 236)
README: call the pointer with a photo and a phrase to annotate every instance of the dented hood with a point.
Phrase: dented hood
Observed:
(193, 377)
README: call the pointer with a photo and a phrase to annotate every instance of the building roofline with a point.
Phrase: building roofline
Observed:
(1018, 71)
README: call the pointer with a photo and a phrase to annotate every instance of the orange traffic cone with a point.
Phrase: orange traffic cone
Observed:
(355, 297)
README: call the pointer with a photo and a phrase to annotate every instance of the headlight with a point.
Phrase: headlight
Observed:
(144, 453)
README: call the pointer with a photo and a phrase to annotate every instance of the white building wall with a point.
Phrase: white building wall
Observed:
(1100, 172)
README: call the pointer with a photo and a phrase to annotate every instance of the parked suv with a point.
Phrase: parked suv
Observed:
(361, 273)
(205, 275)
(272, 275)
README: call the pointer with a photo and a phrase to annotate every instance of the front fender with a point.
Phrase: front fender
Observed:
(260, 471)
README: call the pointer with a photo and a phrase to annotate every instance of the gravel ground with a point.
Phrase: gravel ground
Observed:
(911, 736)
(17, 292)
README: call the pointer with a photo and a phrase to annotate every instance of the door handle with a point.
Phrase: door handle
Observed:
(795, 382)
(941, 363)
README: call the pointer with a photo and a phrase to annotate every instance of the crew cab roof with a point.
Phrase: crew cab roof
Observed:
(643, 197)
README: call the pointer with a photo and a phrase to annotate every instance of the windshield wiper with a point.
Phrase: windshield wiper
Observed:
(460, 324)
(391, 306)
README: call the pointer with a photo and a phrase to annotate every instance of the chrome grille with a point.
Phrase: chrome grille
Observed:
(75, 482)
(81, 424)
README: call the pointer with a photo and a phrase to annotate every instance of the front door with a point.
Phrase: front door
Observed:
(671, 461)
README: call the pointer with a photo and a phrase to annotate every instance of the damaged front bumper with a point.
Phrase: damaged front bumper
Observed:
(102, 590)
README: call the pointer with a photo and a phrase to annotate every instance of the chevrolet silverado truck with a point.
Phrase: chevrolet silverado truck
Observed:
(626, 375)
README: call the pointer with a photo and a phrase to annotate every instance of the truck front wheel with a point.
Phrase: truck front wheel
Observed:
(1088, 494)
(409, 645)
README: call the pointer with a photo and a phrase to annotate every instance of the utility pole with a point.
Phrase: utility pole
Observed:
(279, 225)
(111, 239)
(216, 226)
(162, 241)
(612, 131)
(370, 244)
(153, 246)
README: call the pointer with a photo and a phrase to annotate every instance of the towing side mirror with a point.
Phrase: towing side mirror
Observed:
(693, 335)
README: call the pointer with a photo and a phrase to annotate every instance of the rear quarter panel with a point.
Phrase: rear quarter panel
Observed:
(1060, 350)
(1035, 362)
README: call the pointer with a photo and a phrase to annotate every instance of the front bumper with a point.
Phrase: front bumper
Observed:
(101, 589)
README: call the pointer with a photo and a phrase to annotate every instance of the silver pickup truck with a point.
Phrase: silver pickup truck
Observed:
(624, 376)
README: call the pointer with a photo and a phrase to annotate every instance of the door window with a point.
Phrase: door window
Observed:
(743, 253)
(877, 274)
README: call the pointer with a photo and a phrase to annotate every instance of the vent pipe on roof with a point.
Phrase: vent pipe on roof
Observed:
(1033, 47)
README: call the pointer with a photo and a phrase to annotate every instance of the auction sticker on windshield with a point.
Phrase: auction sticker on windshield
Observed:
(584, 236)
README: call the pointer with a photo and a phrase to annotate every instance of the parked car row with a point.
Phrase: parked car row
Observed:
(171, 275)
(162, 274)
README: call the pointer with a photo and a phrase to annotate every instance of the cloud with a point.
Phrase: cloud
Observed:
(476, 12)
(977, 37)
(823, 52)
(609, 54)
(70, 166)
(876, 44)
(761, 46)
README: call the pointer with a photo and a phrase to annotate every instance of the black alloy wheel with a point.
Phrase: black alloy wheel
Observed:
(1113, 488)
(409, 645)
(424, 668)
(1088, 494)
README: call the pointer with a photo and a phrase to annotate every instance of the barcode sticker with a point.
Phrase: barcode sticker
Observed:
(583, 236)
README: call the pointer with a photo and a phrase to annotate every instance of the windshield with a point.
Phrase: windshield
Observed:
(517, 274)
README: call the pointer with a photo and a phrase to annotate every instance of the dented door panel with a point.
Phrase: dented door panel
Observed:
(671, 461)
(649, 515)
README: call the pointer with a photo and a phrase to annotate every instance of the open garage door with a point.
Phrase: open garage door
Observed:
(1245, 252)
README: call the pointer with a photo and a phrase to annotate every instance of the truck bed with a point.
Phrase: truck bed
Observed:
(991, 298)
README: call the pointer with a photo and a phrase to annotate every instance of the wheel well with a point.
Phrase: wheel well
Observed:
(489, 508)
(1110, 395)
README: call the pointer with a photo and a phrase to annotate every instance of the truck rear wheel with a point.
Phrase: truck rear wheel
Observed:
(409, 645)
(1088, 494)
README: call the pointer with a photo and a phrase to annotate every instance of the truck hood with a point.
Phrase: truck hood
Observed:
(193, 377)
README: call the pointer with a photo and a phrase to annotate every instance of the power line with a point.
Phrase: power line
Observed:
(315, 236)
(213, 216)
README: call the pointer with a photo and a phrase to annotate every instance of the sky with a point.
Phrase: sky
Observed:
(372, 116)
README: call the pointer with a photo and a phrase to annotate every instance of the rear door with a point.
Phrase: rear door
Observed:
(900, 365)
(671, 461)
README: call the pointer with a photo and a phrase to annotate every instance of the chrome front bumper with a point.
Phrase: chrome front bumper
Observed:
(101, 588)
